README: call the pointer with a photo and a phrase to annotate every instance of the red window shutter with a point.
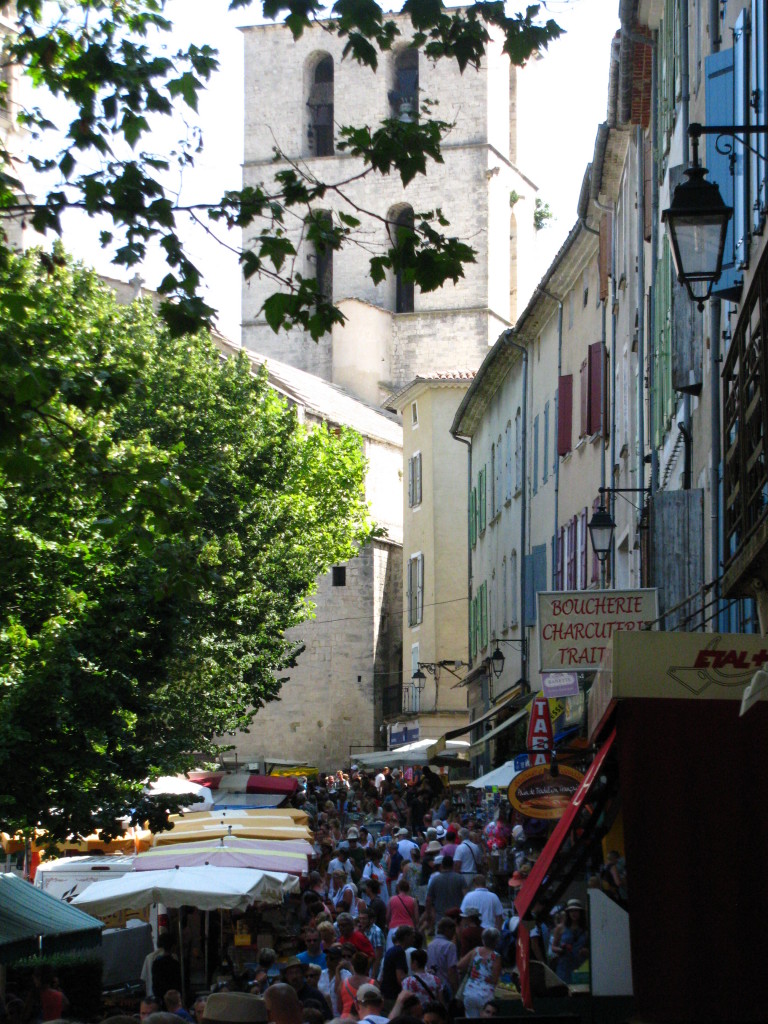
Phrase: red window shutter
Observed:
(594, 404)
(584, 380)
(583, 551)
(564, 413)
(604, 258)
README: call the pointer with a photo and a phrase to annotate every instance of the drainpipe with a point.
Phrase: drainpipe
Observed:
(557, 421)
(523, 511)
(612, 449)
(652, 354)
(603, 361)
(468, 442)
(685, 101)
(640, 312)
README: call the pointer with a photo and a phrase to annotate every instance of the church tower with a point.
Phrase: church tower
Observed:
(297, 94)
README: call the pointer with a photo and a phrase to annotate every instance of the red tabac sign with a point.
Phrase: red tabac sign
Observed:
(537, 793)
(540, 738)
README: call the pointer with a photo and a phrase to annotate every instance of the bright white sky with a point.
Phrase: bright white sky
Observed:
(555, 136)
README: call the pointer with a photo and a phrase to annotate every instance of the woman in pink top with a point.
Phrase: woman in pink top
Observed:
(402, 909)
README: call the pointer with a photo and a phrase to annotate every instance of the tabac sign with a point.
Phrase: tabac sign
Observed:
(575, 626)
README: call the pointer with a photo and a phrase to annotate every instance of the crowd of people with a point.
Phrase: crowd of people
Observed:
(398, 919)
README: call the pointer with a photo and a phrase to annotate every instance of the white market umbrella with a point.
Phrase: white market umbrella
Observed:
(206, 887)
(178, 785)
(499, 777)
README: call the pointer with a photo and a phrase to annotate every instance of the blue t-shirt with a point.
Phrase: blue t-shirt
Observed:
(312, 958)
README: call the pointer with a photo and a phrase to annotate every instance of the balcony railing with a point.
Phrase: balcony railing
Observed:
(411, 700)
(745, 428)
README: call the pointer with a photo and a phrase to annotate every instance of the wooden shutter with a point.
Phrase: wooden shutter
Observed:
(719, 110)
(484, 615)
(473, 516)
(647, 187)
(584, 381)
(564, 413)
(410, 482)
(409, 594)
(472, 640)
(595, 405)
(571, 582)
(604, 257)
(535, 454)
(420, 588)
(545, 446)
(583, 548)
(481, 484)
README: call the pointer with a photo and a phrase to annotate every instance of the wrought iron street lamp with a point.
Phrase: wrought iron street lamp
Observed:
(601, 527)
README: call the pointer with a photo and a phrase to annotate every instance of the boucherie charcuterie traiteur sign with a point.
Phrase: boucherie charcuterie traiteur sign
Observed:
(576, 625)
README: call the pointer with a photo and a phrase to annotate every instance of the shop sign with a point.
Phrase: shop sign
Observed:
(560, 684)
(575, 626)
(537, 793)
(402, 734)
(521, 762)
(540, 735)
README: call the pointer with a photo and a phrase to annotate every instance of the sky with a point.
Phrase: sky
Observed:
(556, 134)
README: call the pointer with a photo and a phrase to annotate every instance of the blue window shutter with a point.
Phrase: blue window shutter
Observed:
(740, 115)
(758, 112)
(535, 580)
(719, 110)
(530, 602)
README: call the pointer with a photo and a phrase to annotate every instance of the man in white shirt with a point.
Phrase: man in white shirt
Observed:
(405, 845)
(468, 858)
(380, 779)
(341, 862)
(488, 903)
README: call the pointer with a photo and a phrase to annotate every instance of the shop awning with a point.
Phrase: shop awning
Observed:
(511, 701)
(479, 745)
(31, 921)
(546, 858)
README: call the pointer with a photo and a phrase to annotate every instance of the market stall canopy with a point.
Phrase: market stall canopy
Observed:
(246, 789)
(206, 887)
(244, 815)
(132, 840)
(186, 831)
(289, 855)
(31, 921)
(499, 778)
(179, 785)
(414, 753)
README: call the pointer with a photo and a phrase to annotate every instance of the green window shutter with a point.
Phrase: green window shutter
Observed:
(482, 488)
(473, 516)
(484, 615)
(472, 645)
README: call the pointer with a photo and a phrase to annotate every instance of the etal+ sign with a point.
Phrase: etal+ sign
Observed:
(575, 626)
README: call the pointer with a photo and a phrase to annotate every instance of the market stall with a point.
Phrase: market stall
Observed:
(290, 855)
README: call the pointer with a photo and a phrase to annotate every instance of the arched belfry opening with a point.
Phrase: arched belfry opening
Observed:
(320, 104)
(404, 96)
(400, 223)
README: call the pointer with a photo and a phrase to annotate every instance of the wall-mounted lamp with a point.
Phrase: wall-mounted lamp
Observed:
(498, 659)
(602, 525)
(419, 679)
(697, 219)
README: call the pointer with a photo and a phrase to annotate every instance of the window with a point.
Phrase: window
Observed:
(411, 693)
(494, 491)
(585, 287)
(564, 413)
(415, 589)
(320, 227)
(320, 105)
(545, 446)
(508, 463)
(535, 467)
(504, 596)
(518, 451)
(339, 576)
(414, 414)
(481, 489)
(483, 615)
(498, 479)
(404, 98)
(414, 480)
(402, 237)
(513, 589)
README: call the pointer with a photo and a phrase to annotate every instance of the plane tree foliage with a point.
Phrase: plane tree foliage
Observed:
(163, 519)
(107, 58)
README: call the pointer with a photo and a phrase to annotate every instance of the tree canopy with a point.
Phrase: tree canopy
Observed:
(106, 57)
(163, 519)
